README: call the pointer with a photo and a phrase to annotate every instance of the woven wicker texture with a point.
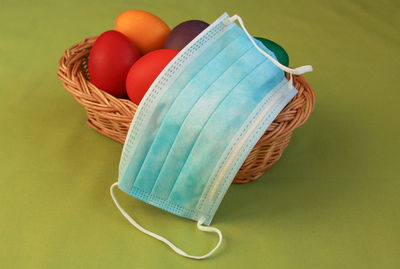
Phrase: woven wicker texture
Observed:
(112, 116)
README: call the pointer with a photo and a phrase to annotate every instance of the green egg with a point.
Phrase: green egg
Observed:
(279, 52)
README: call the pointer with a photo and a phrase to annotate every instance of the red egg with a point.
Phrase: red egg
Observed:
(145, 70)
(110, 59)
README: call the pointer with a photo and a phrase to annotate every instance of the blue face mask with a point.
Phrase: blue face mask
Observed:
(198, 122)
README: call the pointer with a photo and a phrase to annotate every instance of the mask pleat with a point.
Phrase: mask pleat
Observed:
(181, 106)
(211, 142)
(198, 116)
(129, 171)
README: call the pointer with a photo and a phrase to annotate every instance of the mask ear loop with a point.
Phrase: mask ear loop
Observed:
(162, 239)
(297, 71)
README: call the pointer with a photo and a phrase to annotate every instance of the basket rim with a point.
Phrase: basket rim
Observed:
(75, 75)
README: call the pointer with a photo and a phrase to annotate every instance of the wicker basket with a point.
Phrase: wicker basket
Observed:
(112, 116)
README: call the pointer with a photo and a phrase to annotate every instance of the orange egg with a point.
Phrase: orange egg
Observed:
(145, 30)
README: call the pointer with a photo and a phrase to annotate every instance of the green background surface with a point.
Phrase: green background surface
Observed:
(332, 201)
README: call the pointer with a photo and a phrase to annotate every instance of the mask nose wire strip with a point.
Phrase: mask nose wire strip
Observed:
(297, 71)
(162, 239)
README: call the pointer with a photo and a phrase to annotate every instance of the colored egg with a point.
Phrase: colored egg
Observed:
(145, 70)
(279, 52)
(110, 59)
(183, 33)
(145, 30)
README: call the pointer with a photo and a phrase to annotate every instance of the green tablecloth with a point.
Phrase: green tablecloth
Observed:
(332, 201)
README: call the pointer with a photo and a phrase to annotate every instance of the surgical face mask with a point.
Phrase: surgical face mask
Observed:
(198, 122)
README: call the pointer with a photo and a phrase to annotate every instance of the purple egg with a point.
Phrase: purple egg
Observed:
(183, 33)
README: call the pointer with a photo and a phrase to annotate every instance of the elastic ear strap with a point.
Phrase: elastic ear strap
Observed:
(297, 71)
(162, 239)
